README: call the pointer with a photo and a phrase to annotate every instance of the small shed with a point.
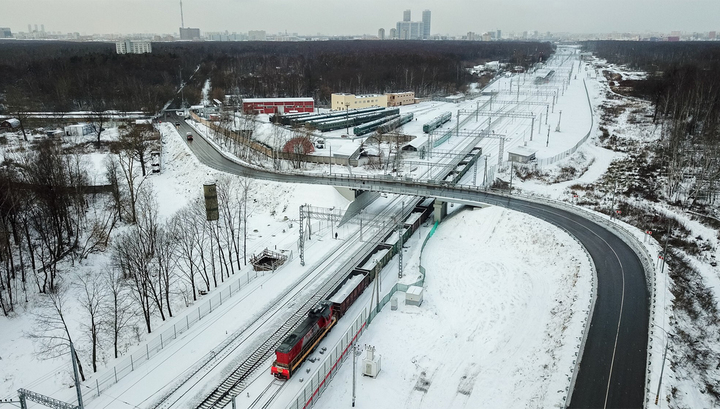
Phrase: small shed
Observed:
(521, 154)
(10, 123)
(79, 130)
(418, 144)
(414, 295)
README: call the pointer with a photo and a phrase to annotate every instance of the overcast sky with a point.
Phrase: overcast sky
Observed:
(337, 17)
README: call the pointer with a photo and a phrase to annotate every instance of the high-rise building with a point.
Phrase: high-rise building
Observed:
(381, 34)
(412, 30)
(29, 28)
(189, 33)
(498, 35)
(5, 32)
(133, 47)
(42, 28)
(426, 24)
(393, 33)
(257, 35)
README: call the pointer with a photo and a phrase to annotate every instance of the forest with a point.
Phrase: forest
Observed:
(683, 84)
(64, 76)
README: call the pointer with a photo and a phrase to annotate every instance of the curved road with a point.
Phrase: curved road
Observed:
(612, 370)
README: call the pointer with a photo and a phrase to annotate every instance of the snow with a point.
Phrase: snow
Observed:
(346, 289)
(504, 295)
(505, 300)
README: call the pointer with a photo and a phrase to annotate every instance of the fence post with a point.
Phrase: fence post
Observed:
(147, 352)
(115, 372)
(132, 363)
(162, 346)
(97, 386)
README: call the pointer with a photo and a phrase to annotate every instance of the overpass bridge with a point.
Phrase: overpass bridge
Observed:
(612, 367)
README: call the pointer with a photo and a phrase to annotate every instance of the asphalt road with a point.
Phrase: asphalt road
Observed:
(612, 371)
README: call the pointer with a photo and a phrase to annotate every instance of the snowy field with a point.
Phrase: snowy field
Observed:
(504, 304)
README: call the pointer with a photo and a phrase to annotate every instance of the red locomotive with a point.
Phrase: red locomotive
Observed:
(298, 345)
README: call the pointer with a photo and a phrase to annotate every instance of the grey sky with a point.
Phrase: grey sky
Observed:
(335, 17)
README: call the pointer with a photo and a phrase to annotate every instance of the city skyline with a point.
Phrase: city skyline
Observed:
(454, 18)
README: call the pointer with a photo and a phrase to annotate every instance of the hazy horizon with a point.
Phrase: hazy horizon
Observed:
(453, 17)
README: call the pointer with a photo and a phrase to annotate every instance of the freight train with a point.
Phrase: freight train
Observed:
(322, 317)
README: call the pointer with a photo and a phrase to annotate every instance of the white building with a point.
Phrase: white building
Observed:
(133, 47)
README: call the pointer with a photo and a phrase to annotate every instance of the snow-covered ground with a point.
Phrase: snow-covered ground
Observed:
(504, 304)
(520, 285)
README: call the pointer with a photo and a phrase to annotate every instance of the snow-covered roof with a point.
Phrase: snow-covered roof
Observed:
(417, 143)
(11, 122)
(522, 151)
(256, 100)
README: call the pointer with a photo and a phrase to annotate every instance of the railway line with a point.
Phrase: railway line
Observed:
(237, 380)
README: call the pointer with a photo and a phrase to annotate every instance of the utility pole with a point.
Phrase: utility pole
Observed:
(347, 119)
(330, 146)
(558, 125)
(485, 175)
(77, 378)
(400, 241)
(532, 128)
(355, 351)
(547, 142)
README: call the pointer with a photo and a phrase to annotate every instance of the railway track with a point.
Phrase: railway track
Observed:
(200, 370)
(237, 381)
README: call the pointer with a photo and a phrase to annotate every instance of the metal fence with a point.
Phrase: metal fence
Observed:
(153, 346)
(565, 154)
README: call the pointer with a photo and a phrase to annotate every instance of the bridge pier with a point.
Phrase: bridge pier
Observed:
(440, 210)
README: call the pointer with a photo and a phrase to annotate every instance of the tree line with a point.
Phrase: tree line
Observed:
(50, 226)
(684, 86)
(64, 76)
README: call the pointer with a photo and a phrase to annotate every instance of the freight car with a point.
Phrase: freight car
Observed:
(300, 343)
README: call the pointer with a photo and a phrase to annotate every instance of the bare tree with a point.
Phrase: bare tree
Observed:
(92, 298)
(118, 312)
(50, 332)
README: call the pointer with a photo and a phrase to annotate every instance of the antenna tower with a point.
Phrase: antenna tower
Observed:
(182, 19)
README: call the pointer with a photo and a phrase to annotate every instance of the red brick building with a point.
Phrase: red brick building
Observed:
(278, 105)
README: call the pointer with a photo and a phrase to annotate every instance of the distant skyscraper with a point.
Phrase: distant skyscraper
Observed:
(406, 15)
(42, 28)
(381, 34)
(189, 33)
(393, 33)
(29, 28)
(498, 36)
(426, 24)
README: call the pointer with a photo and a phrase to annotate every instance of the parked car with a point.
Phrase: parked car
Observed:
(177, 124)
(189, 136)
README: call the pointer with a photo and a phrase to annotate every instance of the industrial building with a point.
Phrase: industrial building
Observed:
(278, 105)
(342, 101)
(189, 33)
(133, 47)
(396, 99)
